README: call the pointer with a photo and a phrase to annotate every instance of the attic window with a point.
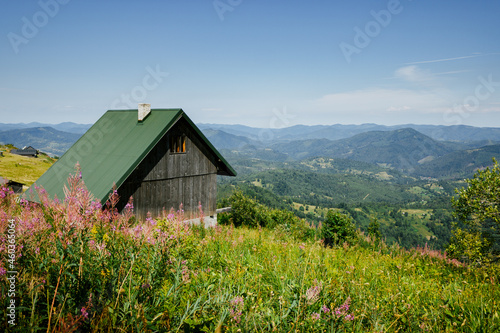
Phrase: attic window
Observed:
(178, 144)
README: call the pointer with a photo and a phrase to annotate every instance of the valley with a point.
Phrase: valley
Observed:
(403, 176)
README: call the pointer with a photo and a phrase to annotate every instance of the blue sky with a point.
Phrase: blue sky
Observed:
(259, 63)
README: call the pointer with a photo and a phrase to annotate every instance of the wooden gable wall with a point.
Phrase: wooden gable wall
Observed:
(164, 180)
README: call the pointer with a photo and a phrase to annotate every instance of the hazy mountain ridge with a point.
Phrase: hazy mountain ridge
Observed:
(223, 140)
(46, 139)
(462, 133)
(69, 127)
(400, 149)
(459, 163)
(407, 149)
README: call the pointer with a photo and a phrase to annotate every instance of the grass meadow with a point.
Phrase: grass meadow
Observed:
(82, 268)
(23, 169)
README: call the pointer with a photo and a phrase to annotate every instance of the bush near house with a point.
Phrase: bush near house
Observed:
(81, 267)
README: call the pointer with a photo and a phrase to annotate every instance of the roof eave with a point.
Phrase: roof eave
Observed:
(227, 169)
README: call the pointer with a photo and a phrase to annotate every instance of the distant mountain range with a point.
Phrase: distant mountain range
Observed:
(400, 149)
(417, 150)
(405, 149)
(459, 133)
(45, 139)
(63, 127)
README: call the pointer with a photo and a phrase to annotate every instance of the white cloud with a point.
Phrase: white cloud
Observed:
(212, 109)
(399, 108)
(489, 109)
(373, 101)
(414, 74)
(441, 60)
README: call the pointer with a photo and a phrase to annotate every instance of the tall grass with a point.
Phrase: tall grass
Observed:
(85, 268)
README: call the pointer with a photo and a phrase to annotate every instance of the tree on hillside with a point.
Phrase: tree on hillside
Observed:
(477, 207)
(338, 228)
(374, 229)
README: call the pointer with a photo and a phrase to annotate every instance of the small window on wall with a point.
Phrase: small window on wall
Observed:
(178, 144)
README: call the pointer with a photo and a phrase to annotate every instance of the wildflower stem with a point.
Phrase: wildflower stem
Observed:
(125, 279)
(60, 312)
(55, 293)
(33, 301)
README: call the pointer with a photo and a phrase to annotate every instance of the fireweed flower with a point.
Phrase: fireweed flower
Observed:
(151, 221)
(129, 206)
(84, 312)
(312, 294)
(237, 305)
(342, 311)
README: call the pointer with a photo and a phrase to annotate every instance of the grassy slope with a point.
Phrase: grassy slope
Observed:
(23, 169)
(390, 289)
(166, 276)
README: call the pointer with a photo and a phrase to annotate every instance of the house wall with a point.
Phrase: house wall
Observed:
(164, 180)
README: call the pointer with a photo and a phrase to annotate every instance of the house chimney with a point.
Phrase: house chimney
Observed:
(143, 111)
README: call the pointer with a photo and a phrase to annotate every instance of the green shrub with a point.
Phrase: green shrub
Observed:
(245, 211)
(478, 208)
(374, 229)
(249, 213)
(338, 228)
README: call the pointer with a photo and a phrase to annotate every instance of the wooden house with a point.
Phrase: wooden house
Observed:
(158, 157)
(26, 151)
(15, 186)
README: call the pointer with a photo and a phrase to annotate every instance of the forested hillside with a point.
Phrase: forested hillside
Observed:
(404, 176)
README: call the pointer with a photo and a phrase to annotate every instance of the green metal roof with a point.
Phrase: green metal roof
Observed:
(112, 148)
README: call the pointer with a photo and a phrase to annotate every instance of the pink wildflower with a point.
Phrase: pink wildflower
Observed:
(85, 314)
(237, 305)
(342, 311)
(312, 294)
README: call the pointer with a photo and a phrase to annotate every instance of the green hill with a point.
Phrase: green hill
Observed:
(223, 140)
(22, 169)
(401, 149)
(45, 139)
(459, 164)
